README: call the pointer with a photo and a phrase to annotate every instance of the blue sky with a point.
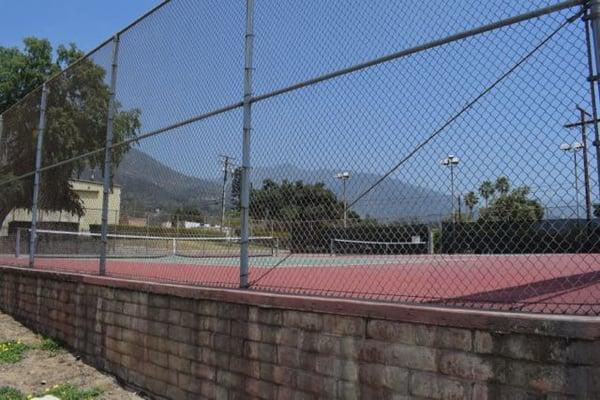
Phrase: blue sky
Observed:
(85, 22)
(187, 59)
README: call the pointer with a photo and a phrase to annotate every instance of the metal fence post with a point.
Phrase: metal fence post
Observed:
(108, 156)
(594, 17)
(245, 176)
(36, 177)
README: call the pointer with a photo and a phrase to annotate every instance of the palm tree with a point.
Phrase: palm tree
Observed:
(502, 185)
(486, 190)
(471, 201)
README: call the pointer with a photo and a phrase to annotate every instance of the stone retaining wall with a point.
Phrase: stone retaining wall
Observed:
(180, 342)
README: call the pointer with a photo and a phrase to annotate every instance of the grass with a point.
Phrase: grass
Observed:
(12, 351)
(63, 392)
(71, 392)
(8, 393)
(50, 346)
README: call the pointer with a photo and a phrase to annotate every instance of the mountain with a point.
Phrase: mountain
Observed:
(148, 184)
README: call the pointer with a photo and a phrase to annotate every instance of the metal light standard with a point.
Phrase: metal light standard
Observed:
(574, 148)
(226, 165)
(344, 176)
(451, 161)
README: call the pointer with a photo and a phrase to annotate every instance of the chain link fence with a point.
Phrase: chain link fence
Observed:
(422, 152)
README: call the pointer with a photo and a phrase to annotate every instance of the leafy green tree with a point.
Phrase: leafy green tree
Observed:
(76, 119)
(502, 185)
(186, 214)
(596, 208)
(514, 206)
(471, 201)
(236, 189)
(486, 190)
(296, 201)
(21, 71)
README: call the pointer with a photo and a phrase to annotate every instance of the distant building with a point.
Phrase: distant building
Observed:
(133, 221)
(90, 193)
(191, 224)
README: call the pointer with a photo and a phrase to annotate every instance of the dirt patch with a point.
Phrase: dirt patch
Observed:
(41, 368)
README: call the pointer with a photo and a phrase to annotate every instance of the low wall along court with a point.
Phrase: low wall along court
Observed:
(180, 342)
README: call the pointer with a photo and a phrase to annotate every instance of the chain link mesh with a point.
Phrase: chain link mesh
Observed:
(453, 174)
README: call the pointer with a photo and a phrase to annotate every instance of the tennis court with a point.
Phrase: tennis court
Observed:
(437, 169)
(558, 283)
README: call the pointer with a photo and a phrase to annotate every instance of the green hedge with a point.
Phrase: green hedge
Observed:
(157, 231)
(54, 226)
(520, 237)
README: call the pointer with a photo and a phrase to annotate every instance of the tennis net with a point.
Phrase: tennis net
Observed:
(52, 243)
(347, 246)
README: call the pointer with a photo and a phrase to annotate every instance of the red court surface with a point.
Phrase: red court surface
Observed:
(550, 283)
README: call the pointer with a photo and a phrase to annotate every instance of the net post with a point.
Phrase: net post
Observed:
(245, 178)
(18, 244)
(108, 156)
(430, 240)
(36, 177)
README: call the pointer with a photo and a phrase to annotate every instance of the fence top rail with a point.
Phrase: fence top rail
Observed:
(425, 46)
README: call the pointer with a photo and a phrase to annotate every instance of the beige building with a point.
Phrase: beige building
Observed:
(90, 193)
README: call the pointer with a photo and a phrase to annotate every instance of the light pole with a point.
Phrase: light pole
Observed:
(574, 148)
(226, 163)
(451, 161)
(344, 176)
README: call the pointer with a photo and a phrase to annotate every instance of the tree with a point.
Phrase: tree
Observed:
(23, 71)
(236, 189)
(76, 118)
(186, 214)
(471, 201)
(514, 206)
(596, 210)
(502, 185)
(296, 202)
(486, 190)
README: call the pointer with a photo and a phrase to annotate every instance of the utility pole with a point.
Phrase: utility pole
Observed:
(586, 165)
(583, 146)
(226, 163)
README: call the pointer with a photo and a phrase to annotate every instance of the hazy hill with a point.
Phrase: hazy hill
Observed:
(148, 184)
